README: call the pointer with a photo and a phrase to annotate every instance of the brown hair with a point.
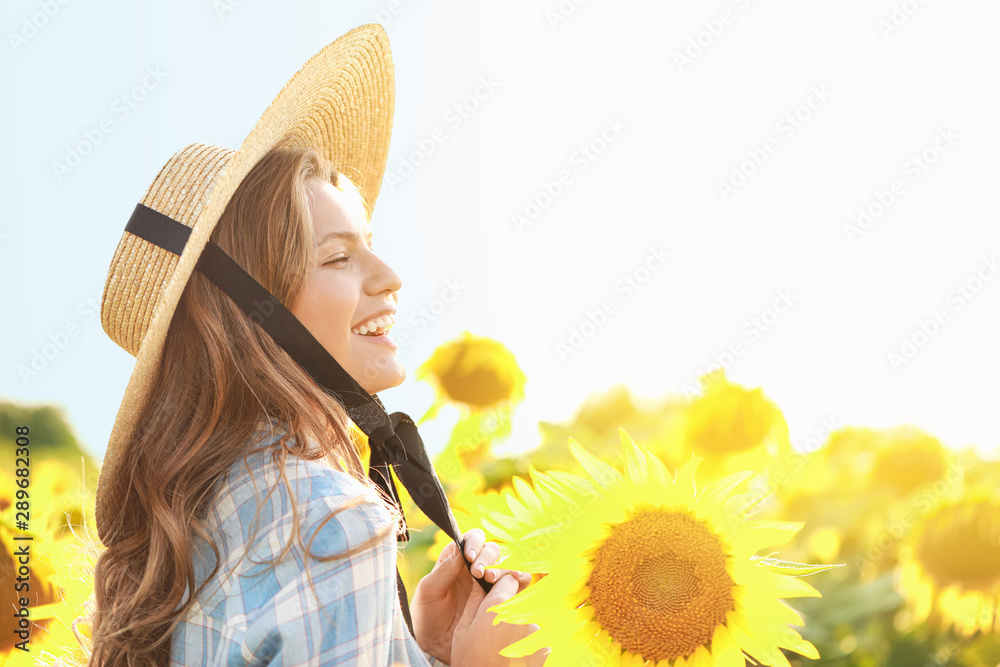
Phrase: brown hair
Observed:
(220, 375)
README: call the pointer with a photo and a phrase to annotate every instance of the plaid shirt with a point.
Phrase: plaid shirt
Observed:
(267, 614)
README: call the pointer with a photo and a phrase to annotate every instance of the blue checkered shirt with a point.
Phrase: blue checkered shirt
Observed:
(267, 614)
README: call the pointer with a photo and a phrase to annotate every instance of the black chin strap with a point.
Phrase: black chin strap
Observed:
(393, 439)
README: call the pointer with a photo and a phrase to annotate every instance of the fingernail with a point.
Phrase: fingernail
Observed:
(472, 555)
(480, 569)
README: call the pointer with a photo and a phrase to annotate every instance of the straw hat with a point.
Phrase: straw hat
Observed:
(341, 103)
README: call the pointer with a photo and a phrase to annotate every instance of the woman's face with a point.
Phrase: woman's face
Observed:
(350, 287)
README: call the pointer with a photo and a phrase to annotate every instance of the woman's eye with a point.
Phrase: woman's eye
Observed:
(338, 259)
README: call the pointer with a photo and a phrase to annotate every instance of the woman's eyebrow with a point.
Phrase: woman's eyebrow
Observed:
(350, 236)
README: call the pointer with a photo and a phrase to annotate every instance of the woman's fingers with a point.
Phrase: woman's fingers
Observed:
(449, 551)
(449, 563)
(435, 584)
(477, 640)
(476, 595)
(502, 590)
(493, 575)
(474, 541)
(486, 557)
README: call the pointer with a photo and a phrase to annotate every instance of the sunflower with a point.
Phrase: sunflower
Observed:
(645, 569)
(909, 459)
(596, 422)
(892, 462)
(984, 651)
(950, 565)
(474, 371)
(867, 486)
(730, 427)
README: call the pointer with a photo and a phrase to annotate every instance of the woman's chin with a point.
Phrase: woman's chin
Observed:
(384, 380)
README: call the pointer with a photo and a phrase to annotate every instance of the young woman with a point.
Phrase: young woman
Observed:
(240, 523)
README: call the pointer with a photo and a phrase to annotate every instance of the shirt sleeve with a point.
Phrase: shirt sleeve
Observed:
(342, 611)
(432, 661)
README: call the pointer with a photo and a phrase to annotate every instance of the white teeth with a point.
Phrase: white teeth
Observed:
(383, 322)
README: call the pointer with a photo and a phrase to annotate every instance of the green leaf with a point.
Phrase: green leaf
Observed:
(791, 569)
(431, 413)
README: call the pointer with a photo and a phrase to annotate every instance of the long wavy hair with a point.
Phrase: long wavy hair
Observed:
(220, 375)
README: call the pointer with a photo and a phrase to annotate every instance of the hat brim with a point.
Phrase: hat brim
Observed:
(340, 102)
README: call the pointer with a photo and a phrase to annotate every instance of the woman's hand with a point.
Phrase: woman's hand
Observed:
(447, 602)
(478, 642)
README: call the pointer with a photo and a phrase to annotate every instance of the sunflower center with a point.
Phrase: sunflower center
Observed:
(730, 420)
(913, 460)
(659, 584)
(665, 583)
(960, 544)
(477, 383)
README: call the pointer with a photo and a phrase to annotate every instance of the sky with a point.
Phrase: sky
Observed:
(622, 193)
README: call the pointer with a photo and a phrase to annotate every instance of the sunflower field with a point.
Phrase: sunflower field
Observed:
(683, 532)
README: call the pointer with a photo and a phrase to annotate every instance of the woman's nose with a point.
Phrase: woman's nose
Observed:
(382, 278)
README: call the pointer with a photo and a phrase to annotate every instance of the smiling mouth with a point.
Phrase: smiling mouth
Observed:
(381, 338)
(381, 327)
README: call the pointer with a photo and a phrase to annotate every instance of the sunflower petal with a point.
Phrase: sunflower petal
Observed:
(520, 512)
(700, 658)
(635, 461)
(658, 472)
(800, 646)
(749, 503)
(684, 479)
(525, 646)
(724, 649)
(760, 534)
(718, 492)
(572, 483)
(527, 494)
(793, 587)
(773, 657)
(495, 530)
(600, 471)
